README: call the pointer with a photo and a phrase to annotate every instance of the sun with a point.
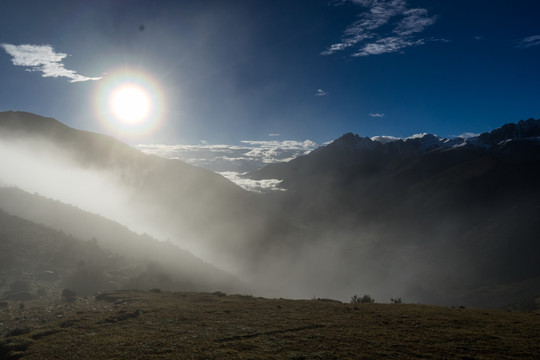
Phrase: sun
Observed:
(130, 104)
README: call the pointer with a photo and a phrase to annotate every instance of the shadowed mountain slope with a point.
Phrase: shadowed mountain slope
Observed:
(452, 214)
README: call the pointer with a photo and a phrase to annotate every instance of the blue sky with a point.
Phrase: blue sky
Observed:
(223, 72)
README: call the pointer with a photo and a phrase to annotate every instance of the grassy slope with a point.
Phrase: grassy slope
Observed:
(161, 325)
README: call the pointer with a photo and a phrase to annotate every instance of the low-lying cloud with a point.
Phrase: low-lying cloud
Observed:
(263, 185)
(232, 161)
(250, 156)
(44, 59)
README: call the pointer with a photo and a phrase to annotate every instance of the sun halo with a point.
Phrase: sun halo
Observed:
(130, 104)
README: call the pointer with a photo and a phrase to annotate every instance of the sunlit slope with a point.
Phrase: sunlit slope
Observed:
(168, 198)
(89, 244)
(113, 238)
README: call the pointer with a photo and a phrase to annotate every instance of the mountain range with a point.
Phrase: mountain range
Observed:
(467, 209)
(444, 221)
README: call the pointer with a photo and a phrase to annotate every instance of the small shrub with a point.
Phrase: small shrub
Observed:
(86, 281)
(69, 295)
(396, 300)
(366, 299)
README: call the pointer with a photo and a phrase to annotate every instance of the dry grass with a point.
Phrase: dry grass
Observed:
(161, 325)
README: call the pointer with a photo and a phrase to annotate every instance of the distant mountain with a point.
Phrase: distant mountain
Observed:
(354, 154)
(449, 215)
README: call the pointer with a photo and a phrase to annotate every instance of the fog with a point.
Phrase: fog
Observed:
(37, 166)
(296, 264)
(416, 233)
(287, 266)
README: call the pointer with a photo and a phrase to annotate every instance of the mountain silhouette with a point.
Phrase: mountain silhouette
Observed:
(465, 211)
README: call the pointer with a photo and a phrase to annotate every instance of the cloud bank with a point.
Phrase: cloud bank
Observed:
(367, 37)
(232, 161)
(44, 59)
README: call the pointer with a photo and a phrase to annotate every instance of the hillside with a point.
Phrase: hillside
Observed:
(201, 210)
(37, 261)
(115, 238)
(162, 325)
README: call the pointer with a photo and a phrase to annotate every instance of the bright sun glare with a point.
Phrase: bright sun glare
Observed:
(130, 104)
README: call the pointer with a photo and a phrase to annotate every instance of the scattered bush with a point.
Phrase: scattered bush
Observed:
(366, 299)
(86, 281)
(69, 295)
(396, 300)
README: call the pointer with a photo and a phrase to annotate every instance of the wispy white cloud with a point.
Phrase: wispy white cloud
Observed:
(320, 92)
(274, 135)
(467, 135)
(250, 156)
(417, 136)
(263, 185)
(387, 45)
(415, 21)
(366, 34)
(44, 59)
(529, 42)
(232, 161)
(385, 139)
(376, 115)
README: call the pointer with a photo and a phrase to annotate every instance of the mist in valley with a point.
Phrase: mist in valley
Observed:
(37, 166)
(266, 252)
(380, 229)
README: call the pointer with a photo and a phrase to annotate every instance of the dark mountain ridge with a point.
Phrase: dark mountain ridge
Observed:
(466, 210)
(353, 153)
